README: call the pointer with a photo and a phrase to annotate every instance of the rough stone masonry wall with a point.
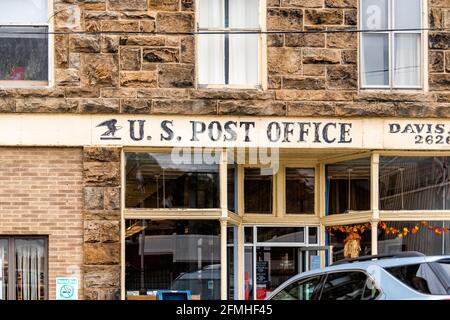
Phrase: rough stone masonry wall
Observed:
(101, 167)
(308, 75)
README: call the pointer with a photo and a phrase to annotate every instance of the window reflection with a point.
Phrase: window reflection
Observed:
(348, 185)
(299, 190)
(414, 183)
(157, 180)
(258, 190)
(173, 255)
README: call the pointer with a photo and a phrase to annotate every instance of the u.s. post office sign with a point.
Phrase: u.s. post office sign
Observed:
(226, 131)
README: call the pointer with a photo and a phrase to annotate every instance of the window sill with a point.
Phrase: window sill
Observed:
(23, 84)
(229, 87)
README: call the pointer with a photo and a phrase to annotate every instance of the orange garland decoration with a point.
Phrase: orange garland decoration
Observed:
(399, 233)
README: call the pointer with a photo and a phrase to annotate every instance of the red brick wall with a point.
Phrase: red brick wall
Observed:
(41, 194)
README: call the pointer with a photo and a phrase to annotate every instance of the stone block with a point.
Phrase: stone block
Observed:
(138, 79)
(127, 5)
(175, 76)
(303, 83)
(161, 55)
(321, 56)
(284, 19)
(93, 198)
(342, 77)
(175, 22)
(130, 59)
(186, 107)
(252, 108)
(324, 17)
(99, 70)
(136, 106)
(101, 154)
(284, 60)
(101, 173)
(85, 43)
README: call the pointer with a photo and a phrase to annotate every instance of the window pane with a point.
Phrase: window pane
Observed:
(211, 58)
(231, 188)
(407, 14)
(173, 255)
(407, 60)
(257, 191)
(375, 14)
(23, 11)
(3, 269)
(419, 277)
(23, 56)
(301, 290)
(274, 265)
(244, 59)
(211, 14)
(281, 234)
(313, 237)
(299, 190)
(244, 14)
(248, 273)
(414, 183)
(30, 258)
(248, 234)
(423, 240)
(348, 186)
(375, 59)
(166, 180)
(232, 262)
(344, 286)
(350, 241)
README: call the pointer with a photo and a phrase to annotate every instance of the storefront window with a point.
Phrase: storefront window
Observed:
(165, 180)
(173, 255)
(348, 186)
(350, 241)
(414, 183)
(299, 190)
(28, 278)
(258, 190)
(428, 237)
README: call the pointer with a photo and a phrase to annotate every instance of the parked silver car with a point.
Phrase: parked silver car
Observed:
(402, 276)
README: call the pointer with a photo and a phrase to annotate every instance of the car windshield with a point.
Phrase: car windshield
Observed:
(419, 277)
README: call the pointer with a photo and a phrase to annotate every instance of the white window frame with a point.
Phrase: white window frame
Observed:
(50, 56)
(391, 49)
(262, 54)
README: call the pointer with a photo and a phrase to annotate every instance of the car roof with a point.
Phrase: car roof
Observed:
(364, 265)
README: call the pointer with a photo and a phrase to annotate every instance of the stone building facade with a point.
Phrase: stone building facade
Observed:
(138, 58)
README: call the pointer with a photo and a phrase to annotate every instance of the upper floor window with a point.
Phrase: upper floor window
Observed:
(24, 49)
(229, 59)
(391, 44)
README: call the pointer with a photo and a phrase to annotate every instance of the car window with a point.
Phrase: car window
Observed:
(419, 277)
(349, 285)
(299, 290)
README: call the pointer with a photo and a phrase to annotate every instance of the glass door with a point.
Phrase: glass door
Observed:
(273, 255)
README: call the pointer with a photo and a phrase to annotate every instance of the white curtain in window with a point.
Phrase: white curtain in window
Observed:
(211, 54)
(23, 11)
(211, 66)
(407, 60)
(29, 267)
(244, 57)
